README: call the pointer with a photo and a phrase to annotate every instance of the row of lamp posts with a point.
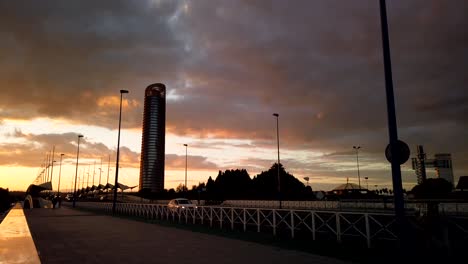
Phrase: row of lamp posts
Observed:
(117, 161)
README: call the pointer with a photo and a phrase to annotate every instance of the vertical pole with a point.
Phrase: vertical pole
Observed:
(118, 154)
(60, 174)
(47, 168)
(392, 125)
(338, 228)
(100, 171)
(358, 173)
(82, 178)
(313, 226)
(76, 171)
(221, 218)
(274, 222)
(211, 216)
(292, 223)
(108, 168)
(52, 170)
(368, 236)
(232, 218)
(277, 139)
(94, 172)
(258, 220)
(244, 220)
(186, 147)
(87, 179)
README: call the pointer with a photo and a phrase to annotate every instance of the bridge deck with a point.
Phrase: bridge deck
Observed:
(71, 236)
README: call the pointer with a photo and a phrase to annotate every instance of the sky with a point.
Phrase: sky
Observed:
(228, 66)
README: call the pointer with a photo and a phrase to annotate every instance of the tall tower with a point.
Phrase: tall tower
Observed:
(153, 139)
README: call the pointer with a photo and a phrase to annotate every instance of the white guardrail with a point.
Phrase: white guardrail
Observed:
(368, 227)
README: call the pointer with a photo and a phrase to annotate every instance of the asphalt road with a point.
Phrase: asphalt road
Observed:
(66, 235)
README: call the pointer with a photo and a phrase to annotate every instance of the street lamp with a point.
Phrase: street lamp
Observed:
(76, 171)
(108, 170)
(60, 174)
(52, 170)
(186, 147)
(367, 183)
(357, 162)
(392, 123)
(277, 138)
(118, 153)
(100, 171)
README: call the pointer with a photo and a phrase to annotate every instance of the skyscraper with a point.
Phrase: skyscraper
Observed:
(153, 138)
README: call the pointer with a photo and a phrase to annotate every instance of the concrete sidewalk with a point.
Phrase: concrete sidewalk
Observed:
(72, 236)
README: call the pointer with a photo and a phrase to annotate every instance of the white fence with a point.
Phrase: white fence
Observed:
(339, 226)
(419, 207)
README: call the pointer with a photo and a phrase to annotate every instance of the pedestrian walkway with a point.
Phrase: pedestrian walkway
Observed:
(67, 235)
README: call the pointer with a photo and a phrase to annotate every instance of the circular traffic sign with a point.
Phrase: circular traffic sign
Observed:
(402, 152)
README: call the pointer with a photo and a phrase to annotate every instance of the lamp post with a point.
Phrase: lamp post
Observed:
(367, 183)
(108, 170)
(52, 170)
(60, 174)
(357, 162)
(100, 171)
(391, 116)
(94, 172)
(277, 138)
(118, 153)
(186, 147)
(76, 171)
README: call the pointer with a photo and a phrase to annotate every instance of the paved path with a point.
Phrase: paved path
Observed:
(71, 236)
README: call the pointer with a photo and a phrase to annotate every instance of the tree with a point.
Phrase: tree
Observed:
(233, 184)
(181, 188)
(432, 188)
(265, 184)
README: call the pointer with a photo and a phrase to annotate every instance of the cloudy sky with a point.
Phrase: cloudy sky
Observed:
(228, 66)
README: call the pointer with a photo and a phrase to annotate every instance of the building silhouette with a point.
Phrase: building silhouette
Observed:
(442, 163)
(153, 139)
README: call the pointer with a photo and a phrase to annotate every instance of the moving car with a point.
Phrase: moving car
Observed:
(180, 203)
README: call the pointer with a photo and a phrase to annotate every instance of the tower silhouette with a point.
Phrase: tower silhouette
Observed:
(153, 139)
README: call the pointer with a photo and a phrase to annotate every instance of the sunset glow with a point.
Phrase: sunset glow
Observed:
(228, 65)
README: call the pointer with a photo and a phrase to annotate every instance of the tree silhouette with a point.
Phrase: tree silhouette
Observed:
(265, 184)
(432, 188)
(233, 184)
(181, 188)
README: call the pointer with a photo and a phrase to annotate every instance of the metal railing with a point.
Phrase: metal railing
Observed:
(329, 225)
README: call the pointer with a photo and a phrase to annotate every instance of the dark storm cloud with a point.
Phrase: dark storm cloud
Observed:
(319, 64)
(231, 64)
(61, 57)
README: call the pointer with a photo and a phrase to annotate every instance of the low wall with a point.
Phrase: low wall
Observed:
(16, 243)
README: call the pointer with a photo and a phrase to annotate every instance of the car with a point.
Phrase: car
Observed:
(180, 203)
(69, 197)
